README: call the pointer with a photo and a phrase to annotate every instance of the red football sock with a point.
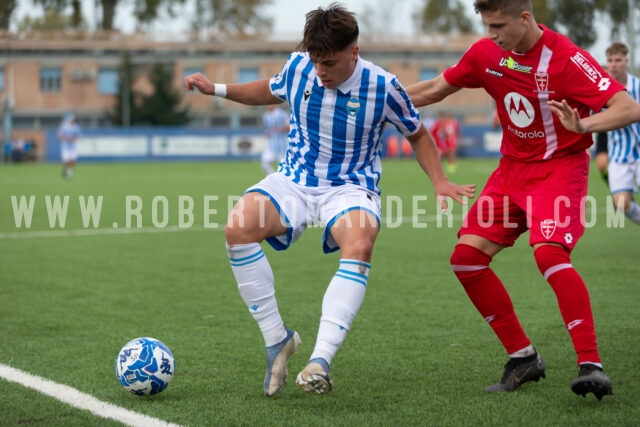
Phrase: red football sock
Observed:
(488, 294)
(554, 262)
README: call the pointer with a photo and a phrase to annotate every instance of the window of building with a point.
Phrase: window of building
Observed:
(50, 79)
(428, 73)
(248, 75)
(1, 79)
(108, 81)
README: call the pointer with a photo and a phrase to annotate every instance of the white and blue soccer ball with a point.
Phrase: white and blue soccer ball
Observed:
(145, 366)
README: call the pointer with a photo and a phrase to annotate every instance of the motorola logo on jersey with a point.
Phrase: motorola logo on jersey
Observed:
(520, 110)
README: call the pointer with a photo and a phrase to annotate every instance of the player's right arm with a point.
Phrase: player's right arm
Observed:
(429, 159)
(256, 92)
(429, 92)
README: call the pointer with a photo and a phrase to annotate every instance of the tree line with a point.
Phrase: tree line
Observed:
(576, 18)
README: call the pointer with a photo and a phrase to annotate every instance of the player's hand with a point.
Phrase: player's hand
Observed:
(200, 82)
(455, 191)
(568, 116)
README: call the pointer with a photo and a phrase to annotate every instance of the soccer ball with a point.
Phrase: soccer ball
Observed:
(145, 366)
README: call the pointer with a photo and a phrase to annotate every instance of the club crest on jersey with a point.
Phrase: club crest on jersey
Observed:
(548, 227)
(542, 82)
(353, 106)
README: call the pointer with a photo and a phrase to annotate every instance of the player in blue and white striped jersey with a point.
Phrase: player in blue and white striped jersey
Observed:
(339, 107)
(624, 143)
(68, 134)
(276, 127)
(336, 126)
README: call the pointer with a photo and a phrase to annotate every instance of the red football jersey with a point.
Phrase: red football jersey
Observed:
(521, 85)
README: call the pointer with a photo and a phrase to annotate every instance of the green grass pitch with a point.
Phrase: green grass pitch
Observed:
(418, 352)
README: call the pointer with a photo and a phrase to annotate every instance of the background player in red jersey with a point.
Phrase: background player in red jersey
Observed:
(544, 87)
(445, 132)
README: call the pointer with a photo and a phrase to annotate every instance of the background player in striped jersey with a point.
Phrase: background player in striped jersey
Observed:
(339, 105)
(545, 88)
(68, 134)
(276, 127)
(624, 143)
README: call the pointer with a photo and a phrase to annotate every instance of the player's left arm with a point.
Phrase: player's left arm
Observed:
(622, 110)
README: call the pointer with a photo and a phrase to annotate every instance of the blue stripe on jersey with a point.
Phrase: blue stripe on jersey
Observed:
(359, 132)
(373, 171)
(624, 144)
(313, 122)
(399, 111)
(339, 140)
(295, 136)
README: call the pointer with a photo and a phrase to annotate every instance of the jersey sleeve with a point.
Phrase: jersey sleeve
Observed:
(278, 83)
(400, 110)
(463, 74)
(589, 83)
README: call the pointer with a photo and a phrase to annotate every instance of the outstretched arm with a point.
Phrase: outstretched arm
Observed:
(251, 93)
(429, 159)
(622, 110)
(429, 92)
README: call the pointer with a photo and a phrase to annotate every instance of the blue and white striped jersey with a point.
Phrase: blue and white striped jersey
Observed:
(335, 134)
(69, 132)
(624, 144)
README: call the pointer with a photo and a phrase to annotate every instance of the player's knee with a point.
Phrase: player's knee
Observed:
(360, 249)
(237, 233)
(466, 255)
(231, 234)
(550, 257)
(470, 265)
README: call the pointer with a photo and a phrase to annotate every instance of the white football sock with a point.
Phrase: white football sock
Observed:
(633, 213)
(256, 286)
(340, 304)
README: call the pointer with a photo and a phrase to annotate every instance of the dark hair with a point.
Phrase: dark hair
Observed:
(328, 31)
(508, 7)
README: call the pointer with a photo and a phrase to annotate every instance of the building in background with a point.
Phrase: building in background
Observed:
(44, 75)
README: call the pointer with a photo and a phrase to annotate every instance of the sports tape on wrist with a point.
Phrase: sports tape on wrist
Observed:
(220, 90)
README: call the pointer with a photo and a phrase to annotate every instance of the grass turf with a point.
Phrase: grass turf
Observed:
(418, 352)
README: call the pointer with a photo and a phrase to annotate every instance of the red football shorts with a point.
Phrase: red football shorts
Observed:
(547, 198)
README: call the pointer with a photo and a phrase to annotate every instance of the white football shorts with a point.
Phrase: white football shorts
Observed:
(301, 207)
(624, 177)
(68, 152)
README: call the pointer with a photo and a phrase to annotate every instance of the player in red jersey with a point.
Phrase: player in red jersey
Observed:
(445, 132)
(544, 87)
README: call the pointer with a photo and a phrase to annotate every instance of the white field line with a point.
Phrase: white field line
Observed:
(80, 400)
